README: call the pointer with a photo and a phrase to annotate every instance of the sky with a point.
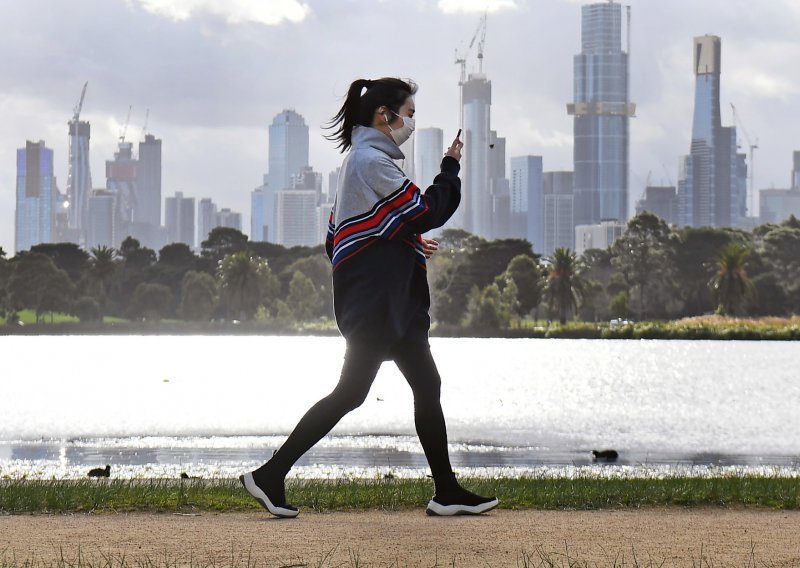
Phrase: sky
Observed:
(214, 74)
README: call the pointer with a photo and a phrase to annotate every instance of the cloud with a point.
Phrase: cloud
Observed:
(269, 13)
(469, 6)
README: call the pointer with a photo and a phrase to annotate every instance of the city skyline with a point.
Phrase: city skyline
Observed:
(206, 118)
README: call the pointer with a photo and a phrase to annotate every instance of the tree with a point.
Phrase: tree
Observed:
(619, 305)
(317, 268)
(564, 283)
(176, 254)
(150, 301)
(486, 311)
(643, 254)
(198, 296)
(478, 266)
(303, 299)
(87, 309)
(36, 283)
(223, 241)
(245, 284)
(524, 272)
(66, 256)
(695, 260)
(731, 284)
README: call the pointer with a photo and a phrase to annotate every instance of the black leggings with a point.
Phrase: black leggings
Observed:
(361, 364)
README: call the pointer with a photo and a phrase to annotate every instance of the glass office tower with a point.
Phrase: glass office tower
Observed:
(36, 196)
(602, 112)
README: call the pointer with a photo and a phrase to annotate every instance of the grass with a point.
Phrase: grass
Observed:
(221, 495)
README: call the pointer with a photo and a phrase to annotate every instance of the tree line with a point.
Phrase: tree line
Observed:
(653, 271)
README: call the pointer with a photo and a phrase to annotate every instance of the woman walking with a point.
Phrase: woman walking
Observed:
(380, 288)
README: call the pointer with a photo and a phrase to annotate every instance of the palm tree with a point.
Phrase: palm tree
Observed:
(731, 286)
(564, 284)
(103, 266)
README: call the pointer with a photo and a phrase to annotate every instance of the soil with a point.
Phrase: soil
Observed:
(657, 537)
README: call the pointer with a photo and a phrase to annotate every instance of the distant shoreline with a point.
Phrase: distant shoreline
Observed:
(701, 328)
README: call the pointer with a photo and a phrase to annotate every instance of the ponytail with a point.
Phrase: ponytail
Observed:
(359, 108)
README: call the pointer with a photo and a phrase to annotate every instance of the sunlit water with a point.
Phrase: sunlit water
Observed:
(218, 406)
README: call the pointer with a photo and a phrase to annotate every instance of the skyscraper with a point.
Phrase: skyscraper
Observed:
(430, 149)
(796, 170)
(259, 227)
(527, 213)
(712, 181)
(476, 93)
(288, 148)
(558, 223)
(661, 201)
(227, 218)
(602, 111)
(121, 173)
(79, 178)
(296, 218)
(206, 218)
(102, 220)
(179, 219)
(36, 196)
(148, 182)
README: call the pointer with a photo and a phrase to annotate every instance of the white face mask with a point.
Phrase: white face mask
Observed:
(400, 135)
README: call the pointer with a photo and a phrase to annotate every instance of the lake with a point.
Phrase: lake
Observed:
(155, 406)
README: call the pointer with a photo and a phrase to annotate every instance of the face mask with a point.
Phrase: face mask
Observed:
(400, 135)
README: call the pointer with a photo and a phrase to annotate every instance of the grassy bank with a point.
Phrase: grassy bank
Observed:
(29, 496)
(697, 328)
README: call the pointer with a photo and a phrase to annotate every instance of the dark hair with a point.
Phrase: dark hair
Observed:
(360, 108)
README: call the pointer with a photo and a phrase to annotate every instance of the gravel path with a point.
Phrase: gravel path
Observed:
(668, 537)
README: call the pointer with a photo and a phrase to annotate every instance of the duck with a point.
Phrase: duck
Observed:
(100, 472)
(605, 455)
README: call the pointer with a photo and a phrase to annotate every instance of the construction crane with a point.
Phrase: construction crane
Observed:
(76, 113)
(144, 128)
(461, 59)
(125, 127)
(751, 163)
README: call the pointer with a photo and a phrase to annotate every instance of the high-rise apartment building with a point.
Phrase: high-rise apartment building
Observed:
(230, 219)
(776, 205)
(602, 112)
(796, 170)
(599, 236)
(526, 200)
(476, 204)
(179, 219)
(296, 218)
(37, 196)
(430, 149)
(79, 178)
(102, 220)
(712, 186)
(262, 214)
(661, 201)
(288, 148)
(557, 219)
(148, 182)
(206, 218)
(333, 184)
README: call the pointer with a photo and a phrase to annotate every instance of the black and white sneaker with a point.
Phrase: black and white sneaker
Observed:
(460, 502)
(271, 497)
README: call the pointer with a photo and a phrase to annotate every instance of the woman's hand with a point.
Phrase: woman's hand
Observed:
(454, 151)
(429, 246)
